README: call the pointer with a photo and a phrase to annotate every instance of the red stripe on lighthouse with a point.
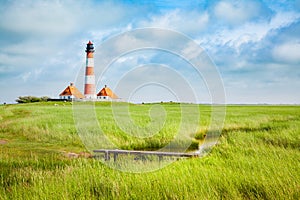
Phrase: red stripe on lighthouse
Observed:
(89, 71)
(89, 89)
(90, 55)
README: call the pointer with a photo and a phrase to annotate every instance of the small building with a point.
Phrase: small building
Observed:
(106, 94)
(71, 92)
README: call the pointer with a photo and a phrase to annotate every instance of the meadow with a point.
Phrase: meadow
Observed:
(257, 156)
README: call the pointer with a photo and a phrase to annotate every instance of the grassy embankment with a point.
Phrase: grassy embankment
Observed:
(258, 157)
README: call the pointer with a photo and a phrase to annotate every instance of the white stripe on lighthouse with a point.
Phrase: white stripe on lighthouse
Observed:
(90, 79)
(90, 62)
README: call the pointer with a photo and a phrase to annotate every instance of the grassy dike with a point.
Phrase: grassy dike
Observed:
(258, 156)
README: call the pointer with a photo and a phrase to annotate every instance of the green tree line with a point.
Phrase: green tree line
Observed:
(30, 99)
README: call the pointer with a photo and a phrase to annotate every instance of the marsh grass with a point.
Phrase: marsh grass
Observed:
(257, 157)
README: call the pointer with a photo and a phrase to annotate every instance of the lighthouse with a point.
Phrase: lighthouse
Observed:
(89, 84)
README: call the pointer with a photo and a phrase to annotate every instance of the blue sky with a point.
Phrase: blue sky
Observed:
(255, 45)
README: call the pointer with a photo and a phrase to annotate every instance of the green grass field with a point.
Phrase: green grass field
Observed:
(257, 157)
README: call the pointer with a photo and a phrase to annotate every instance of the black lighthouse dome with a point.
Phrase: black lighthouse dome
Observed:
(89, 47)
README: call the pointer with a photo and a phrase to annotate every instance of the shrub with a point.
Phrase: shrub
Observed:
(31, 99)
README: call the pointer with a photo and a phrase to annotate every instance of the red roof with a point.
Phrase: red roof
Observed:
(107, 92)
(72, 90)
(90, 42)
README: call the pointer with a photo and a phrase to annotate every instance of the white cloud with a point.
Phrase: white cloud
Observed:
(191, 51)
(283, 19)
(191, 22)
(238, 12)
(42, 42)
(46, 18)
(129, 42)
(248, 32)
(287, 52)
(29, 47)
(63, 18)
(13, 61)
(98, 36)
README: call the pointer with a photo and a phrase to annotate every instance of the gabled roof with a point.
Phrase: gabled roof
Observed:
(106, 91)
(72, 90)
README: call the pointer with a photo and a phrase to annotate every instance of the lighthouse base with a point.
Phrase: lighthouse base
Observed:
(90, 97)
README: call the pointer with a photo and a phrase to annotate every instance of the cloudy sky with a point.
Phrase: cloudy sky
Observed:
(255, 46)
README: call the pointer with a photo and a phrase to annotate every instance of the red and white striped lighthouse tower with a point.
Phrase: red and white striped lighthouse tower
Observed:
(89, 86)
